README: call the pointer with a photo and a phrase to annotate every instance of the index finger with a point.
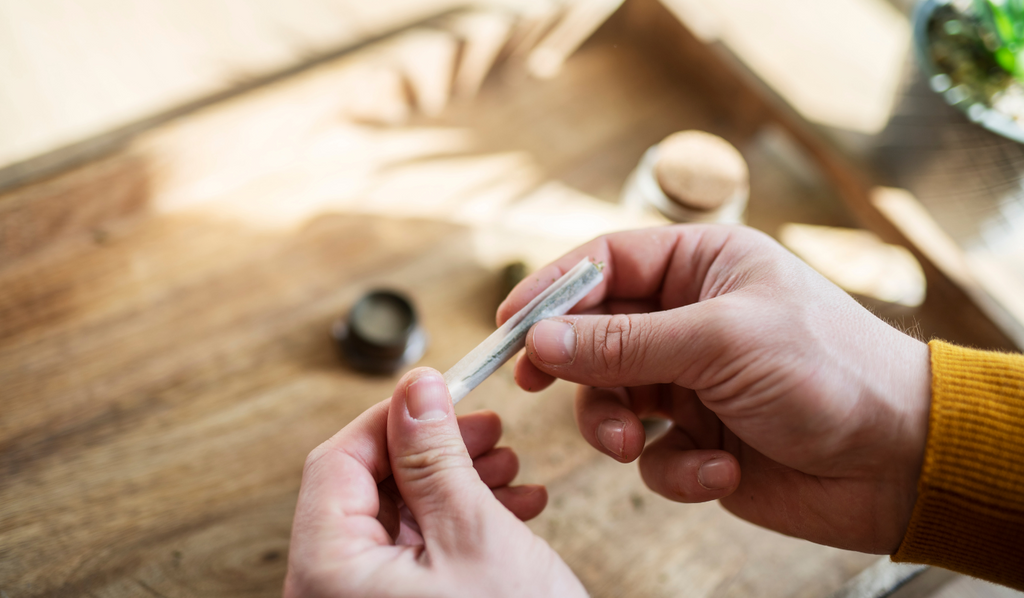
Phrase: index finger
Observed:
(338, 498)
(636, 267)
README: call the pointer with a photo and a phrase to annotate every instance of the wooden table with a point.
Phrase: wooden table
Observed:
(164, 358)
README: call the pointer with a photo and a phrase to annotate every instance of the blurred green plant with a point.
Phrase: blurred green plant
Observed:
(1003, 33)
(958, 48)
(974, 56)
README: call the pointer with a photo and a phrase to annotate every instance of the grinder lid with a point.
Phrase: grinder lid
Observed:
(381, 334)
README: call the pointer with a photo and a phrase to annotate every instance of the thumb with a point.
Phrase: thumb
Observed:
(429, 460)
(617, 350)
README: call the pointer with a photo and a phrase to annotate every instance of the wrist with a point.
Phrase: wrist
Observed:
(911, 401)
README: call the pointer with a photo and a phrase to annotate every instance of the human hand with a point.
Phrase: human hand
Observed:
(764, 367)
(399, 503)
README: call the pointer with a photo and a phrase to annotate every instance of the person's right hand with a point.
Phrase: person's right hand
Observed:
(766, 368)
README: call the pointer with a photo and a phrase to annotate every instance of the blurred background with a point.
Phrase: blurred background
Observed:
(191, 193)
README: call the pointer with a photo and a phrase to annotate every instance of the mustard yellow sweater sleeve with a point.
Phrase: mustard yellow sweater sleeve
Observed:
(969, 515)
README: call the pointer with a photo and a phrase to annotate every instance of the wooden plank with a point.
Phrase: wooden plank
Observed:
(75, 72)
(993, 289)
(845, 82)
(579, 21)
(427, 58)
(484, 36)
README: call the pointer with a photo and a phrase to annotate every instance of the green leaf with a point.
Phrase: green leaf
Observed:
(1006, 59)
(1018, 71)
(1003, 23)
(1015, 16)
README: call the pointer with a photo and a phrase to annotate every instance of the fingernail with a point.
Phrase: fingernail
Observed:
(611, 434)
(427, 398)
(714, 474)
(555, 342)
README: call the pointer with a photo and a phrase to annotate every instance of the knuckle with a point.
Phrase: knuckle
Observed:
(427, 464)
(313, 458)
(619, 344)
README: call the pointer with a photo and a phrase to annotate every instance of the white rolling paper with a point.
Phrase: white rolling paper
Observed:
(504, 342)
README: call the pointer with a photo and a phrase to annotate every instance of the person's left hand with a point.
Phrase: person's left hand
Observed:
(445, 524)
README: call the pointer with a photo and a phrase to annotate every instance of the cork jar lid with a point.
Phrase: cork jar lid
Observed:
(700, 171)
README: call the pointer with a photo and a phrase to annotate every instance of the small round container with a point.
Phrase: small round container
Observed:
(382, 333)
(691, 176)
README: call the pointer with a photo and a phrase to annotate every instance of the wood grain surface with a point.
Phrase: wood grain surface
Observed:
(75, 70)
(165, 364)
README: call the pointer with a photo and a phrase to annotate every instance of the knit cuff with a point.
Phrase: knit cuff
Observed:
(969, 515)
